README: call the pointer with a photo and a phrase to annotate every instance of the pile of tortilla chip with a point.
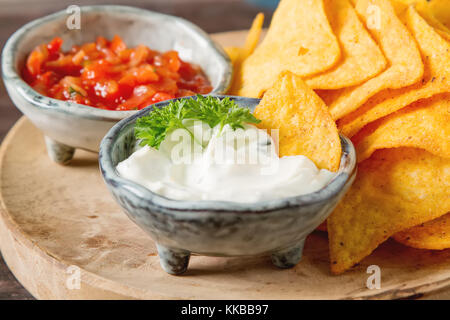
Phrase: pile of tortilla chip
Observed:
(382, 69)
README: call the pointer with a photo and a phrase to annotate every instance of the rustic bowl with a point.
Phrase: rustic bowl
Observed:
(220, 228)
(68, 125)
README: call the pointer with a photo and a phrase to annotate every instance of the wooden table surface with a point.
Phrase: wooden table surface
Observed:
(211, 15)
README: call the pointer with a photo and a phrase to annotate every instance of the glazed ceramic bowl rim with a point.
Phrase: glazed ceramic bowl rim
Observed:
(10, 73)
(346, 169)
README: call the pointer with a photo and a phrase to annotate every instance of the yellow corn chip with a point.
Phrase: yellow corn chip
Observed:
(436, 57)
(304, 123)
(399, 48)
(361, 58)
(433, 235)
(424, 8)
(253, 36)
(395, 189)
(436, 12)
(401, 5)
(251, 41)
(443, 34)
(299, 40)
(243, 53)
(233, 54)
(441, 10)
(328, 96)
(424, 124)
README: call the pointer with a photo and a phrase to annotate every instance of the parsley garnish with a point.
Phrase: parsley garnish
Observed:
(153, 128)
(73, 93)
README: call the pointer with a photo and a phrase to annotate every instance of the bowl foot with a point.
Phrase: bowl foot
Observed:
(289, 257)
(59, 152)
(173, 261)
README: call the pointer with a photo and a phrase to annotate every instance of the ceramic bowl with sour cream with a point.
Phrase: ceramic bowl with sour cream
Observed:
(215, 208)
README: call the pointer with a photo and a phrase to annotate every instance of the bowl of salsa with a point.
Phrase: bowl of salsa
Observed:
(107, 74)
(75, 83)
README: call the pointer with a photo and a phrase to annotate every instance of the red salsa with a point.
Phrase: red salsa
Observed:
(109, 75)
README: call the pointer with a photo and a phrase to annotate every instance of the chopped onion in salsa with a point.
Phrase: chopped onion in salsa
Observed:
(109, 75)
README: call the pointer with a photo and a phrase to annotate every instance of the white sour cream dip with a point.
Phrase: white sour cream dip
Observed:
(203, 163)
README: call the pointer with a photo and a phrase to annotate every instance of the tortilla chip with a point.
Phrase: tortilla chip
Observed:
(443, 34)
(424, 8)
(401, 5)
(400, 49)
(436, 57)
(428, 11)
(395, 189)
(304, 123)
(299, 40)
(433, 235)
(441, 10)
(438, 10)
(253, 36)
(424, 124)
(243, 53)
(251, 41)
(361, 57)
(328, 96)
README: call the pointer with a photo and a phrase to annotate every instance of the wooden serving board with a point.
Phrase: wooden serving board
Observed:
(57, 220)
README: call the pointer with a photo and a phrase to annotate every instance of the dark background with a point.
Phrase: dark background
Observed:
(210, 15)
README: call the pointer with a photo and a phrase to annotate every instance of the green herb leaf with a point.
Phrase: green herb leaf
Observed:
(153, 128)
(73, 92)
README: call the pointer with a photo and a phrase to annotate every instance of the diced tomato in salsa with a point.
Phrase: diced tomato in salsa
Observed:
(109, 75)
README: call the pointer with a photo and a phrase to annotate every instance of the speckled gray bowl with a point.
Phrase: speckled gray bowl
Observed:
(67, 125)
(219, 228)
